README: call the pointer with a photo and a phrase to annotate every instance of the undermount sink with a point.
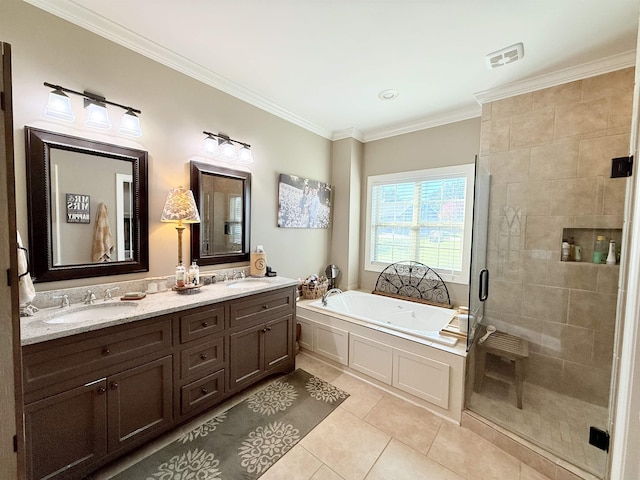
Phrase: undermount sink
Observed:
(248, 283)
(98, 311)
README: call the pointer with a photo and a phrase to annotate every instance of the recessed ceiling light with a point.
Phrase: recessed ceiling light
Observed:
(389, 94)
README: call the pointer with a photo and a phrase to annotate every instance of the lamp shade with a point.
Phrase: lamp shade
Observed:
(227, 151)
(130, 124)
(59, 106)
(244, 155)
(210, 146)
(97, 116)
(180, 207)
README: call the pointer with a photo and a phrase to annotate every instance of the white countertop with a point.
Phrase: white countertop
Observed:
(34, 329)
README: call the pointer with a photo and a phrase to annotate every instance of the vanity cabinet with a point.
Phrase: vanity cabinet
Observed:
(93, 394)
(261, 338)
(91, 397)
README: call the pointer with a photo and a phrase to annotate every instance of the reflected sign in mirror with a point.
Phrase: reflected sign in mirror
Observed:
(223, 198)
(87, 207)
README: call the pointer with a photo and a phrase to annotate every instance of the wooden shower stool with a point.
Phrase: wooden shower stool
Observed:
(506, 346)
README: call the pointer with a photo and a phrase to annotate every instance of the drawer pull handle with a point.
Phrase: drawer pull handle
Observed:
(205, 324)
(265, 307)
(203, 356)
(204, 391)
(106, 351)
(266, 329)
(113, 386)
(102, 391)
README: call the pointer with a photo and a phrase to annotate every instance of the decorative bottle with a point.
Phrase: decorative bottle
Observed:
(181, 273)
(194, 273)
(599, 250)
(611, 257)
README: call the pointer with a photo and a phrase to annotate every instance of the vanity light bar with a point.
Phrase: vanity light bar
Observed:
(96, 105)
(221, 146)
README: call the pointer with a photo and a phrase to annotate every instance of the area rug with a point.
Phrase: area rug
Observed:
(243, 442)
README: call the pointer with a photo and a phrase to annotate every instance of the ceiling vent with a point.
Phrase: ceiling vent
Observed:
(506, 55)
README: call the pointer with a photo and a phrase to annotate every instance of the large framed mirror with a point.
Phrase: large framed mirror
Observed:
(223, 196)
(87, 206)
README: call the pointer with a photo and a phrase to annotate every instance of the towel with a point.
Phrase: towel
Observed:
(25, 286)
(102, 239)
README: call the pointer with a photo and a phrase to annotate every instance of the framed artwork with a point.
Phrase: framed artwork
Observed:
(303, 203)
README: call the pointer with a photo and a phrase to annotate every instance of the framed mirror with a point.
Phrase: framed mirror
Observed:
(223, 196)
(87, 207)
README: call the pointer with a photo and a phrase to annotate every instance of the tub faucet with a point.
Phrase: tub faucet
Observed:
(326, 295)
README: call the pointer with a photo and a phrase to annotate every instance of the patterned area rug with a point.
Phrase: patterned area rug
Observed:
(243, 442)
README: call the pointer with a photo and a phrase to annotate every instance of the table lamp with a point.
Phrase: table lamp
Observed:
(180, 207)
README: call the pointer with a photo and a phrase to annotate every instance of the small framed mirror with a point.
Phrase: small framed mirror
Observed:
(87, 207)
(223, 196)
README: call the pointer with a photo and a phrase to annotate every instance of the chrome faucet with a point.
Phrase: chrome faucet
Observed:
(107, 294)
(235, 275)
(64, 300)
(329, 292)
(89, 297)
(242, 274)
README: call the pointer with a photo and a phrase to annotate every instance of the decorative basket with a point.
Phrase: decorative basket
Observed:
(311, 291)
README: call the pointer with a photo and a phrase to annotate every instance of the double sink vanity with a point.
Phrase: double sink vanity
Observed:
(101, 379)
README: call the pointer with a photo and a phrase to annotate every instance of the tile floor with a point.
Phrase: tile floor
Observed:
(376, 436)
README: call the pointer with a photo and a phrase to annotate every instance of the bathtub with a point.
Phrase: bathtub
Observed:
(417, 319)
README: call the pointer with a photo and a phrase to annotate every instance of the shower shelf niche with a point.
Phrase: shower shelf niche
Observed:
(586, 238)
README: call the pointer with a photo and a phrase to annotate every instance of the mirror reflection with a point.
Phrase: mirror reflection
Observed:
(223, 198)
(87, 207)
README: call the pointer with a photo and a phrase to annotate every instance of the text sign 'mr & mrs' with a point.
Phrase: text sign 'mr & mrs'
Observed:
(78, 208)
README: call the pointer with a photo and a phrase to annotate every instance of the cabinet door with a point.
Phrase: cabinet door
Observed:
(246, 360)
(67, 431)
(278, 342)
(140, 401)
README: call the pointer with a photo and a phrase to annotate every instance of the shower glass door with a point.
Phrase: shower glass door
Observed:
(479, 274)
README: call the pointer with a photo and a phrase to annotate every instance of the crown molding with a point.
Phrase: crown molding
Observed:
(566, 75)
(465, 113)
(81, 16)
(348, 133)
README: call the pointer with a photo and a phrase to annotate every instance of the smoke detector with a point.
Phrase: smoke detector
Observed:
(506, 55)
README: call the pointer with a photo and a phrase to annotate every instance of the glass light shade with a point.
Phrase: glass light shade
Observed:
(59, 107)
(227, 151)
(130, 124)
(244, 155)
(210, 146)
(180, 207)
(97, 116)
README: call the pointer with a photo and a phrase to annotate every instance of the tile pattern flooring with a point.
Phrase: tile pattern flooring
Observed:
(377, 436)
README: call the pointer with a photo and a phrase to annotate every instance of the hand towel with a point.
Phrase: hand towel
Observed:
(25, 286)
(102, 239)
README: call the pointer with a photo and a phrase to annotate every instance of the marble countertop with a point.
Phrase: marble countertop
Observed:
(35, 329)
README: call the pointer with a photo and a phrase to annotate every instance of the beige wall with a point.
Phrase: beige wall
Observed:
(549, 154)
(452, 144)
(175, 111)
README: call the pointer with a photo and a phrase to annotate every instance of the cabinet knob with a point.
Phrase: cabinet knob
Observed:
(204, 391)
(102, 391)
(203, 356)
(268, 329)
(106, 351)
(113, 386)
(264, 307)
(205, 324)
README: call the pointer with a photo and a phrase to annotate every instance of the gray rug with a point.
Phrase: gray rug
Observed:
(243, 442)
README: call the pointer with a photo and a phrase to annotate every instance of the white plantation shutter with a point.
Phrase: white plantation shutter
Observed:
(421, 216)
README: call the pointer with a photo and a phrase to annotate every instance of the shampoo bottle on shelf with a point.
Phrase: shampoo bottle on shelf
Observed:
(600, 250)
(611, 257)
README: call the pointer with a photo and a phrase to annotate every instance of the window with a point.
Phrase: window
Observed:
(423, 216)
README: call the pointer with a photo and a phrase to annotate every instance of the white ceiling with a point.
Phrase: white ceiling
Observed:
(322, 63)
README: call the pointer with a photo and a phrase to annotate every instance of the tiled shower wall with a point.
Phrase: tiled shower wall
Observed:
(549, 154)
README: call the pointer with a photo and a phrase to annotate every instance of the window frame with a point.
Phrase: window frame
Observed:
(415, 176)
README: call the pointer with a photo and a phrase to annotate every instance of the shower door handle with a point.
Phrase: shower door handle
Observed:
(483, 291)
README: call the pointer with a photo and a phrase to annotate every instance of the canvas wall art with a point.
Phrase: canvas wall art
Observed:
(303, 203)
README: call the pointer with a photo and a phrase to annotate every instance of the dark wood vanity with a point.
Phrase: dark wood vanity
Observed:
(91, 397)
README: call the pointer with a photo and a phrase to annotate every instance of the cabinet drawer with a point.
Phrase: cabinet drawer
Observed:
(202, 358)
(50, 362)
(201, 392)
(257, 308)
(201, 322)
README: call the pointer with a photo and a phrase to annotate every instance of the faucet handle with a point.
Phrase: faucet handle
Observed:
(89, 297)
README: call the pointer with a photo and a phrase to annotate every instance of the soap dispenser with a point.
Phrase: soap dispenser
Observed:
(611, 257)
